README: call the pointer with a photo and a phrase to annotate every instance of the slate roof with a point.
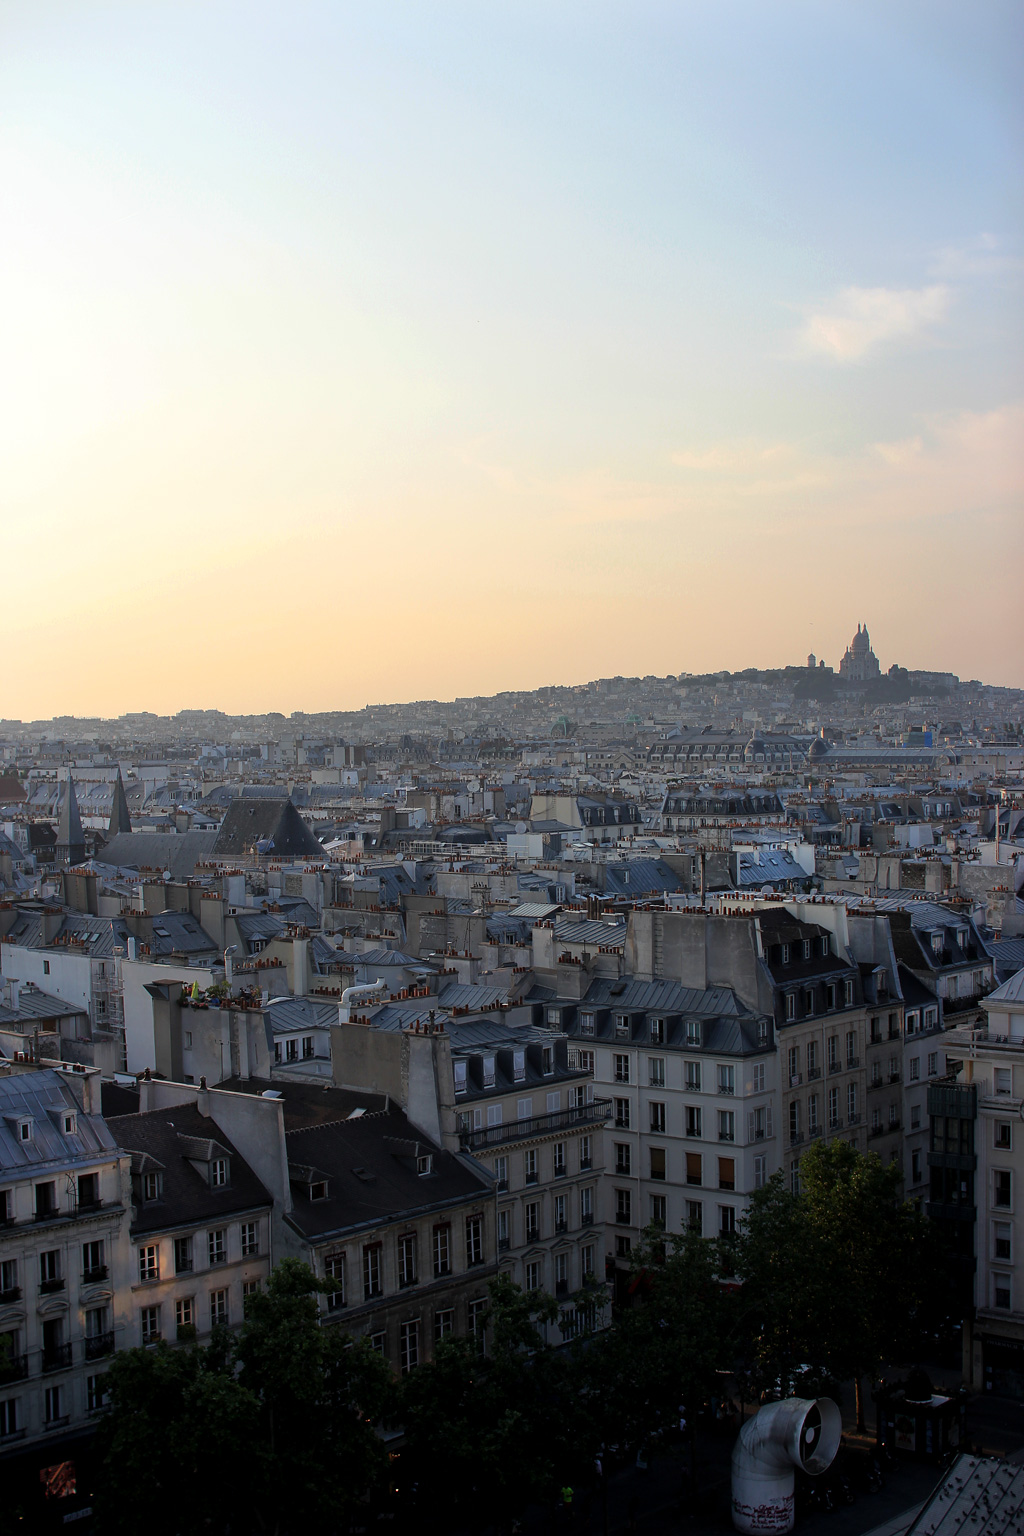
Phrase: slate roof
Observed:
(370, 1166)
(1009, 956)
(272, 826)
(34, 1004)
(179, 852)
(628, 995)
(165, 1139)
(290, 1013)
(44, 1097)
(1011, 991)
(594, 931)
(308, 1105)
(978, 1496)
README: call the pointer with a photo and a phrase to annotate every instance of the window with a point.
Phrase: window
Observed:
(760, 1171)
(727, 1220)
(1002, 1239)
(291, 1050)
(726, 1079)
(151, 1185)
(501, 1172)
(407, 1270)
(833, 1108)
(727, 1173)
(832, 1052)
(334, 1270)
(217, 1247)
(8, 1279)
(691, 1076)
(587, 1262)
(553, 1102)
(547, 1060)
(558, 1159)
(851, 1102)
(219, 1173)
(790, 1005)
(1004, 1135)
(184, 1315)
(586, 1024)
(250, 1239)
(794, 1066)
(726, 1125)
(524, 1109)
(915, 1068)
(94, 1261)
(794, 1120)
(659, 1209)
(587, 1205)
(460, 1076)
(586, 1153)
(409, 1346)
(657, 1031)
(915, 1117)
(218, 1309)
(371, 1271)
(444, 1323)
(915, 1167)
(656, 1071)
(150, 1319)
(530, 1165)
(657, 1118)
(504, 1230)
(622, 1026)
(307, 1047)
(477, 1325)
(623, 1207)
(531, 1272)
(848, 994)
(695, 1216)
(474, 1240)
(758, 1083)
(813, 1070)
(561, 1221)
(1002, 1189)
(53, 1405)
(693, 1120)
(95, 1393)
(249, 1288)
(621, 1114)
(532, 1216)
(494, 1114)
(488, 1071)
(182, 1255)
(851, 1048)
(1003, 1080)
(933, 1063)
(622, 1158)
(1001, 1291)
(149, 1262)
(812, 1114)
(621, 1066)
(693, 1032)
(759, 1123)
(694, 1168)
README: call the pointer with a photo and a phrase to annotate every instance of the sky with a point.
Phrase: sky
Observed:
(358, 353)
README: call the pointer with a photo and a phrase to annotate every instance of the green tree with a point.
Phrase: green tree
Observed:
(665, 1347)
(270, 1430)
(496, 1431)
(835, 1275)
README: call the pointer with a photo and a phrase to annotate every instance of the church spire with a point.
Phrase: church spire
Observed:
(70, 837)
(120, 821)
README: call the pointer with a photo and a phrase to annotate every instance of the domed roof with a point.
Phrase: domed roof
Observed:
(755, 747)
(860, 644)
(817, 749)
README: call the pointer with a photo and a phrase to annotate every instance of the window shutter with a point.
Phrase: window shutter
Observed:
(768, 1122)
(750, 1125)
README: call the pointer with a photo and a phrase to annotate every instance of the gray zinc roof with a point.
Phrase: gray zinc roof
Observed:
(44, 1098)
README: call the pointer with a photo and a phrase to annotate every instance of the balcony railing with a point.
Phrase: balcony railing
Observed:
(95, 1275)
(99, 1344)
(537, 1125)
(813, 1073)
(13, 1368)
(587, 1219)
(12, 1293)
(504, 1244)
(47, 1287)
(57, 1357)
(561, 1226)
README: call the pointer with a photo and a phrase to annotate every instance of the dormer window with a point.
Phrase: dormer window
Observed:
(807, 949)
(152, 1184)
(318, 1191)
(657, 1031)
(961, 937)
(488, 1062)
(518, 1066)
(622, 1026)
(824, 947)
(460, 1076)
(693, 1032)
(586, 1024)
(785, 954)
(547, 1057)
(24, 1130)
(219, 1173)
(425, 1165)
(936, 943)
(70, 1125)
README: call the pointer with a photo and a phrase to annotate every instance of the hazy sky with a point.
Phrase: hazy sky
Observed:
(362, 352)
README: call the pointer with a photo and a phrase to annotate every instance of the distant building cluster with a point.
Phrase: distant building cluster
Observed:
(425, 994)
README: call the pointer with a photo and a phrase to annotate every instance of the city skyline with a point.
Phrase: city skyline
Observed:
(439, 352)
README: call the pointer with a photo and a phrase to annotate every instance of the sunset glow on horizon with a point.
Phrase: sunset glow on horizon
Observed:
(363, 354)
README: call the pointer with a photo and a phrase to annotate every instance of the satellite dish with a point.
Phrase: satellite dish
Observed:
(521, 827)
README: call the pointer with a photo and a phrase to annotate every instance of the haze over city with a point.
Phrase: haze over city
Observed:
(381, 353)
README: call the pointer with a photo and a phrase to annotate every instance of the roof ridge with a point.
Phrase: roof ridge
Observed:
(352, 1119)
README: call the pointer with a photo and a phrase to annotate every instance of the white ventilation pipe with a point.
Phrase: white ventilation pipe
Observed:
(797, 1432)
(372, 989)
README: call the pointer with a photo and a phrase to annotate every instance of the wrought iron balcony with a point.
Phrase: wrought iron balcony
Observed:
(47, 1287)
(13, 1368)
(57, 1357)
(99, 1344)
(537, 1125)
(95, 1275)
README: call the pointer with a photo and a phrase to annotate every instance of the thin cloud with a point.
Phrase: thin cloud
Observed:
(864, 319)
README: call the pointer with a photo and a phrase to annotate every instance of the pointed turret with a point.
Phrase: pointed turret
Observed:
(120, 821)
(70, 837)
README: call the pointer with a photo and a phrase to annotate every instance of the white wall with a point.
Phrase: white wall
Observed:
(140, 1045)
